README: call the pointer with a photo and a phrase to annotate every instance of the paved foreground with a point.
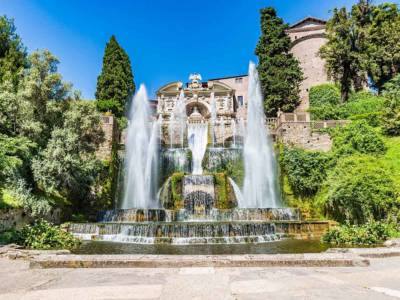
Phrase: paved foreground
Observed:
(381, 280)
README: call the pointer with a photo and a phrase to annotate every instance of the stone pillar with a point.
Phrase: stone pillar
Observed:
(110, 129)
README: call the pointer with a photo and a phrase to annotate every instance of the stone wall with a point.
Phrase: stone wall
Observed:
(16, 218)
(110, 129)
(296, 129)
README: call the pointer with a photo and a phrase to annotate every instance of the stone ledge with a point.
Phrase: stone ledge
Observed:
(379, 252)
(180, 261)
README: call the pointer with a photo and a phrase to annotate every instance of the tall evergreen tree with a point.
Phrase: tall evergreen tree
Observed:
(279, 71)
(115, 83)
(12, 52)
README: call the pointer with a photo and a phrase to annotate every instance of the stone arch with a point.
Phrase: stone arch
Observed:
(202, 106)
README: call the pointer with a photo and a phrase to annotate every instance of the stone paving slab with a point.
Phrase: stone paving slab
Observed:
(179, 261)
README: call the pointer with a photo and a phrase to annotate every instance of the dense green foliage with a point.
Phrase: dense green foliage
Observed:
(360, 106)
(360, 190)
(368, 234)
(48, 136)
(342, 53)
(391, 110)
(12, 53)
(305, 170)
(382, 43)
(41, 235)
(363, 43)
(115, 83)
(279, 71)
(324, 94)
(67, 166)
(358, 137)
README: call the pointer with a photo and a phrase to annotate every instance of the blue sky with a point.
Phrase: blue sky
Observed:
(166, 40)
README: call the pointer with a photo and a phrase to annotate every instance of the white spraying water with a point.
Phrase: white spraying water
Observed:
(236, 190)
(213, 117)
(260, 185)
(197, 140)
(177, 124)
(141, 155)
(180, 115)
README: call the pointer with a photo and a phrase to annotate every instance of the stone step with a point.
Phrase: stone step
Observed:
(181, 261)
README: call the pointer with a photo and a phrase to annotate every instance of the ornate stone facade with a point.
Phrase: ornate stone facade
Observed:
(198, 104)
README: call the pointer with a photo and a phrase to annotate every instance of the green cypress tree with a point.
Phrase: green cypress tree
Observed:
(279, 71)
(12, 52)
(115, 83)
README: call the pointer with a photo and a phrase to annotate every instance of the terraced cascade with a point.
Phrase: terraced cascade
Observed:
(193, 177)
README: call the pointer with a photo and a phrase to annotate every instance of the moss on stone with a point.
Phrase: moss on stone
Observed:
(224, 195)
(176, 190)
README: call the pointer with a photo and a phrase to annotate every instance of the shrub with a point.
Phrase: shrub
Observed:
(373, 119)
(305, 170)
(42, 235)
(324, 94)
(360, 190)
(361, 103)
(358, 137)
(368, 234)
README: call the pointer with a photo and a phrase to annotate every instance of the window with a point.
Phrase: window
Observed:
(239, 80)
(240, 100)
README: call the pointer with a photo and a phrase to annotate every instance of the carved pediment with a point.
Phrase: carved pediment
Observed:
(172, 87)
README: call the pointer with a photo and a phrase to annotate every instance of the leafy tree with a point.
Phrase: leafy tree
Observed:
(15, 156)
(42, 85)
(343, 51)
(306, 170)
(68, 166)
(115, 83)
(391, 115)
(279, 71)
(383, 44)
(12, 52)
(360, 190)
(358, 137)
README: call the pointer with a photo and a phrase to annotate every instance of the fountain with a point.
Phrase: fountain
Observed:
(193, 186)
(260, 184)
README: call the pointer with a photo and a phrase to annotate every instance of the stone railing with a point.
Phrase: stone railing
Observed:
(328, 124)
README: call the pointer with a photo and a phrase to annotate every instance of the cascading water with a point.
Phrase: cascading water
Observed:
(260, 184)
(197, 140)
(141, 160)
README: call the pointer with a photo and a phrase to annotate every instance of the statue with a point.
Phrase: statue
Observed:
(195, 79)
